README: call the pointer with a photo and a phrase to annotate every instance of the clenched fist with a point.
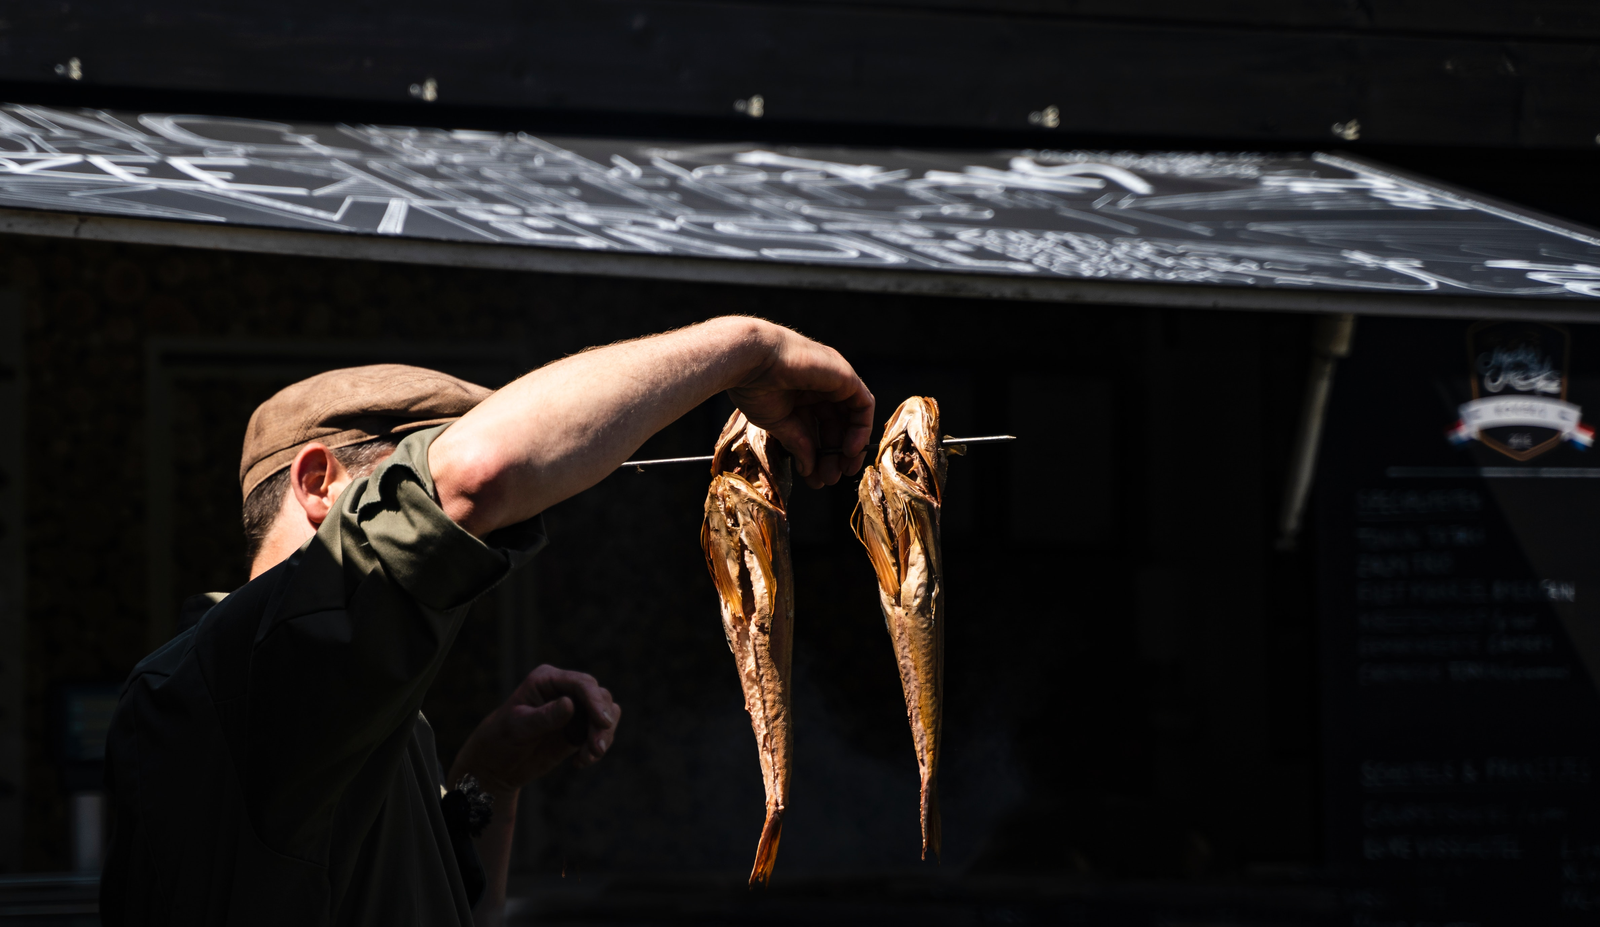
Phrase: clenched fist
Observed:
(554, 714)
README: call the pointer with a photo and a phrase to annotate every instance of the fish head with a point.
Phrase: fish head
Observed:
(731, 432)
(911, 447)
(751, 453)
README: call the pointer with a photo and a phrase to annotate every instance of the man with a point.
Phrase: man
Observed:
(269, 765)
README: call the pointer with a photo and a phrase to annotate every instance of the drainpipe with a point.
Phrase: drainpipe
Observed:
(1329, 343)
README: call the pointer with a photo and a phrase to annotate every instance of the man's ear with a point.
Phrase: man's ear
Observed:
(315, 478)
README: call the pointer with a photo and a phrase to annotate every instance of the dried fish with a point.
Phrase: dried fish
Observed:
(746, 541)
(897, 520)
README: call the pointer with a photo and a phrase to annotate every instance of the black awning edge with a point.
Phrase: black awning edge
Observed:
(1085, 293)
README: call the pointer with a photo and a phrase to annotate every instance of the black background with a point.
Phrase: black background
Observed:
(1474, 73)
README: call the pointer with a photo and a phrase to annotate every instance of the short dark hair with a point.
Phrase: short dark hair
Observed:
(262, 505)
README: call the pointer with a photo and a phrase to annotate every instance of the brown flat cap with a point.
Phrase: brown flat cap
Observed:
(344, 407)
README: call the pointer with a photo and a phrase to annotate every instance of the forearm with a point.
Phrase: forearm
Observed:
(494, 843)
(552, 715)
(560, 429)
(494, 852)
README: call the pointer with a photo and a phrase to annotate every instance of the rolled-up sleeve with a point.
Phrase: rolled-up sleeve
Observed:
(394, 523)
(364, 615)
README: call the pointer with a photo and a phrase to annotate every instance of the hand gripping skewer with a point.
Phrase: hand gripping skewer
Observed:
(956, 446)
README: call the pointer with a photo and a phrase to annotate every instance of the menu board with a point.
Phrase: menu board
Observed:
(1320, 221)
(1458, 531)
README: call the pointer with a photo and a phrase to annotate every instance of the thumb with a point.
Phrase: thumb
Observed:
(525, 722)
(797, 437)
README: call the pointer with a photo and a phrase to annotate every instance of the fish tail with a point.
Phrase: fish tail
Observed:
(767, 849)
(931, 827)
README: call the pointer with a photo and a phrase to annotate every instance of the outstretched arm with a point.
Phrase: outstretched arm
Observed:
(564, 427)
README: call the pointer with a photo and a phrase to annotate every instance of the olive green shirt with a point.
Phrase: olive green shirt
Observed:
(270, 764)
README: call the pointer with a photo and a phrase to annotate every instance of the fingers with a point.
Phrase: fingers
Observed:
(811, 400)
(590, 725)
(576, 730)
(847, 428)
(528, 722)
(855, 430)
(827, 444)
(799, 436)
(598, 742)
(593, 700)
(811, 432)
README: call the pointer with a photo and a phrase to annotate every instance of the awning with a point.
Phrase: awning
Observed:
(1319, 232)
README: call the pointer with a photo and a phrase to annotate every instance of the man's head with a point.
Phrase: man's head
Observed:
(271, 500)
(311, 440)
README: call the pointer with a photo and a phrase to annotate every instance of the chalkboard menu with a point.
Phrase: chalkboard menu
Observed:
(1458, 521)
(1288, 222)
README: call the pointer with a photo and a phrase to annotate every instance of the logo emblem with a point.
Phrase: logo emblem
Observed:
(1519, 391)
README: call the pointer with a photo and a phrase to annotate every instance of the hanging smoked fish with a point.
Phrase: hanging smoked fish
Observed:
(746, 540)
(897, 519)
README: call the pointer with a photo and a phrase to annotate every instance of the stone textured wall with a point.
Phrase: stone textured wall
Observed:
(1055, 702)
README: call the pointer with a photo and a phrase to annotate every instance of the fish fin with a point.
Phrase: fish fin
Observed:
(932, 829)
(767, 849)
(931, 463)
(758, 439)
(923, 521)
(765, 535)
(867, 523)
(712, 543)
(902, 534)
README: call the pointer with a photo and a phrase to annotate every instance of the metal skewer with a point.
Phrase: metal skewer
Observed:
(947, 442)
